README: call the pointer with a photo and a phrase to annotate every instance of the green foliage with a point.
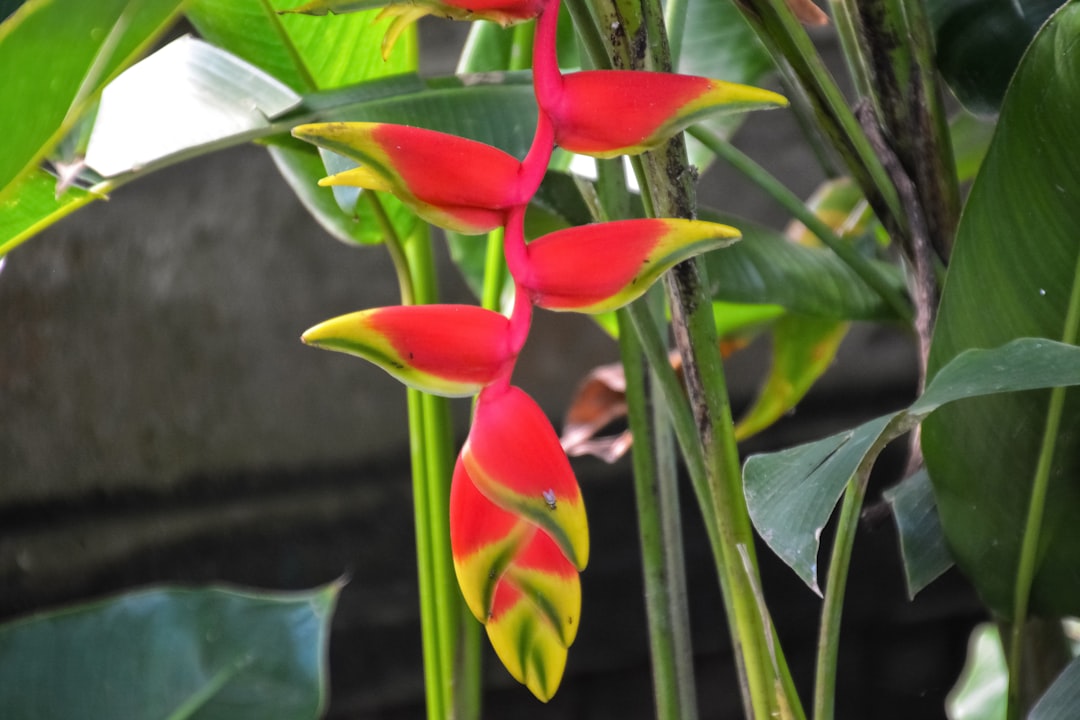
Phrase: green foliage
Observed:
(980, 42)
(171, 653)
(922, 541)
(1015, 268)
(99, 39)
(792, 493)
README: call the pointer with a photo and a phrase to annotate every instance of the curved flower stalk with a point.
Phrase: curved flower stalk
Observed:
(561, 270)
(448, 350)
(519, 537)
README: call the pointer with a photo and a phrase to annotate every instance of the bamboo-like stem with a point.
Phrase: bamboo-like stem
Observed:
(668, 676)
(761, 177)
(1029, 548)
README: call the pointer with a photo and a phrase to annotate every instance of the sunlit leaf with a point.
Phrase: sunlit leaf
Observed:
(980, 692)
(171, 653)
(50, 90)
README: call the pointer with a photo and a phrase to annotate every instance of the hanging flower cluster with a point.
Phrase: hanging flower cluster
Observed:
(518, 530)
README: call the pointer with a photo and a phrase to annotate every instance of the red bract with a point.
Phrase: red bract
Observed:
(451, 350)
(604, 113)
(519, 537)
(601, 267)
(452, 182)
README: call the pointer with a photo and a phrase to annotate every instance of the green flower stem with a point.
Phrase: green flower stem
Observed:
(495, 271)
(666, 612)
(451, 657)
(761, 177)
(832, 609)
(1029, 549)
(655, 490)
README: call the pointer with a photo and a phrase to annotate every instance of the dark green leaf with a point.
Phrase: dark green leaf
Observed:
(791, 493)
(1012, 274)
(922, 542)
(1062, 699)
(45, 90)
(171, 653)
(980, 42)
(765, 268)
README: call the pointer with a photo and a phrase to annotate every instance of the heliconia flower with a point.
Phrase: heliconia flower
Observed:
(601, 267)
(605, 113)
(406, 12)
(519, 537)
(452, 182)
(450, 350)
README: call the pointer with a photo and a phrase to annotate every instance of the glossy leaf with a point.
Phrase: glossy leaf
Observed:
(791, 494)
(451, 350)
(187, 95)
(304, 53)
(603, 266)
(45, 98)
(171, 653)
(979, 44)
(922, 542)
(1012, 274)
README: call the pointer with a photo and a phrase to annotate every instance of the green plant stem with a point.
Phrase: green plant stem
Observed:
(832, 609)
(665, 611)
(798, 60)
(495, 271)
(1029, 548)
(451, 656)
(761, 177)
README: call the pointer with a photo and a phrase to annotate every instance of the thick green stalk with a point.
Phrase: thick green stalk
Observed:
(761, 177)
(451, 675)
(672, 680)
(1029, 549)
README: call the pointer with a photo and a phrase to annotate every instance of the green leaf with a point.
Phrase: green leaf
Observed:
(34, 205)
(970, 140)
(980, 692)
(719, 43)
(979, 44)
(767, 269)
(1061, 700)
(791, 494)
(922, 542)
(1015, 267)
(187, 96)
(51, 89)
(803, 348)
(171, 653)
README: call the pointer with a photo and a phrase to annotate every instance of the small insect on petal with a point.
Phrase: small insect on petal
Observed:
(450, 350)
